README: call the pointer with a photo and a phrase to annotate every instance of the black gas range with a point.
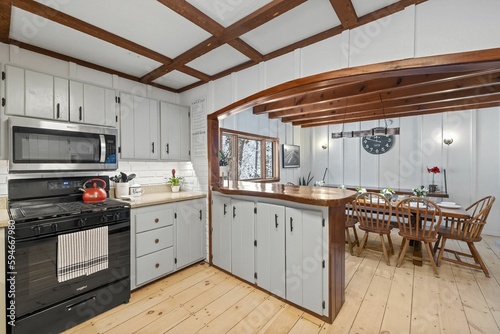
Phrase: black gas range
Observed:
(43, 211)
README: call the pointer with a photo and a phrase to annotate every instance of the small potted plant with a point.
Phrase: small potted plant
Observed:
(420, 192)
(434, 170)
(388, 193)
(223, 163)
(175, 182)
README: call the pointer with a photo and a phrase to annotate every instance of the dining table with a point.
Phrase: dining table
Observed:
(449, 212)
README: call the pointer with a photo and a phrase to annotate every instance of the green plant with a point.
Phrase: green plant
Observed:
(304, 182)
(175, 180)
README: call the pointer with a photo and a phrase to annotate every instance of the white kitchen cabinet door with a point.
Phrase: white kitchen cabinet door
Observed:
(76, 102)
(293, 235)
(270, 249)
(92, 104)
(175, 132)
(126, 126)
(61, 99)
(39, 95)
(221, 232)
(153, 129)
(242, 239)
(189, 227)
(312, 260)
(304, 258)
(14, 91)
(145, 128)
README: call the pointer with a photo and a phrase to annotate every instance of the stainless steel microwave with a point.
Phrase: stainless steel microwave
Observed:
(38, 145)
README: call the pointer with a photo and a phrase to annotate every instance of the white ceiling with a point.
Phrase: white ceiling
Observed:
(134, 38)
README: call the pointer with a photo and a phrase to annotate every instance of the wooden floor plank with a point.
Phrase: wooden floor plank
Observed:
(259, 317)
(409, 299)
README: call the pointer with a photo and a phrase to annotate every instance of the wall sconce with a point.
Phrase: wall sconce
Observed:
(448, 141)
(324, 146)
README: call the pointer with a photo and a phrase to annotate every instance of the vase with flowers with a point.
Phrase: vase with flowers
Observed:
(175, 182)
(420, 192)
(388, 193)
(434, 170)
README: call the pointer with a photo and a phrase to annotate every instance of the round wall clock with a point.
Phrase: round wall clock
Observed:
(377, 144)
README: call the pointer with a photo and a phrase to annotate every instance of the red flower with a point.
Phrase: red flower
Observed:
(173, 172)
(434, 170)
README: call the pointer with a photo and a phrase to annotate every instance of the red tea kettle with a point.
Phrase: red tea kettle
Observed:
(95, 194)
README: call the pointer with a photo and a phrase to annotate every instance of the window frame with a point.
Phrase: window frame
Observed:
(262, 139)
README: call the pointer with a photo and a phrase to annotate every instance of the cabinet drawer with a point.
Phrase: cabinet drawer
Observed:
(154, 240)
(154, 219)
(154, 265)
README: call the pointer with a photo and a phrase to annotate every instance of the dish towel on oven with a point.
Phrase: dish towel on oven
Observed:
(82, 253)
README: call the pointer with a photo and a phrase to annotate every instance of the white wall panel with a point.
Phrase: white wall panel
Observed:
(247, 82)
(351, 156)
(279, 70)
(450, 26)
(368, 165)
(389, 162)
(321, 57)
(431, 145)
(389, 38)
(335, 154)
(222, 93)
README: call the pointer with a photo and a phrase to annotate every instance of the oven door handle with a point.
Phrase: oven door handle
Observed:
(102, 139)
(70, 307)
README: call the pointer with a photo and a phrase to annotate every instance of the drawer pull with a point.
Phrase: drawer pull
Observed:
(157, 220)
(157, 265)
(157, 241)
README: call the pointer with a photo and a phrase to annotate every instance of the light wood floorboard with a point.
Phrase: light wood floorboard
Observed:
(379, 299)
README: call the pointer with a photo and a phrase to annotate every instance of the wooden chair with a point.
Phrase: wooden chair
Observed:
(419, 220)
(374, 215)
(350, 223)
(468, 231)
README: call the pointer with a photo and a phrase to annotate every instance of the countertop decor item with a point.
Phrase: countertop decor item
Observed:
(388, 193)
(122, 178)
(420, 192)
(175, 180)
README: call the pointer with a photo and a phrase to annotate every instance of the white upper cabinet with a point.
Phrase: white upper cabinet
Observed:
(138, 128)
(34, 94)
(92, 104)
(175, 132)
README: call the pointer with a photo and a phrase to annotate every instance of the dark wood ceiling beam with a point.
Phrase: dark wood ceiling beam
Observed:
(193, 14)
(386, 11)
(352, 111)
(194, 73)
(346, 12)
(5, 13)
(468, 102)
(247, 50)
(86, 28)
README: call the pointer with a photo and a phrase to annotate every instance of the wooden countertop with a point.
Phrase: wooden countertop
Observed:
(4, 218)
(320, 196)
(149, 199)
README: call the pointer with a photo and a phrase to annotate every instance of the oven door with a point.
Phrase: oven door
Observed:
(36, 281)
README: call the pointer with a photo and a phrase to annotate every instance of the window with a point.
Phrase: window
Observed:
(251, 156)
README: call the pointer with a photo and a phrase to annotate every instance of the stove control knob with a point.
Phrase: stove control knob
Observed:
(82, 222)
(104, 219)
(116, 216)
(36, 229)
(54, 227)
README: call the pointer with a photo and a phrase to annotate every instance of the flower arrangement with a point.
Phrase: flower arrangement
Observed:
(361, 190)
(341, 186)
(388, 193)
(434, 170)
(420, 192)
(175, 180)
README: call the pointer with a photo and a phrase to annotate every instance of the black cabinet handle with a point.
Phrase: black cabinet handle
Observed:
(291, 224)
(234, 211)
(153, 147)
(58, 108)
(276, 220)
(200, 214)
(225, 207)
(168, 148)
(80, 111)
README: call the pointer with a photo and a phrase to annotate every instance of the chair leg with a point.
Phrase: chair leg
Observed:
(349, 241)
(436, 245)
(401, 247)
(441, 252)
(477, 258)
(386, 256)
(363, 242)
(355, 235)
(402, 251)
(390, 244)
(431, 258)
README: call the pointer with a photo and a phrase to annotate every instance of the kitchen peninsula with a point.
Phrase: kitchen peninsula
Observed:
(250, 223)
